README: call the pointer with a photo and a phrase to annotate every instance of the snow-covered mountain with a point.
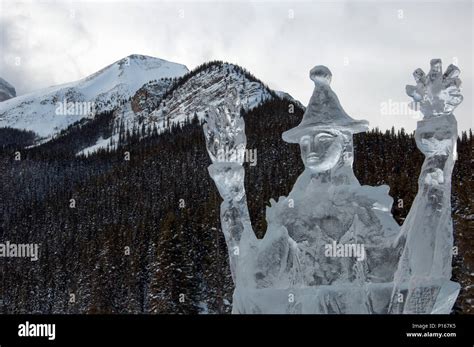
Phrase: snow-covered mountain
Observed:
(50, 110)
(158, 104)
(143, 93)
(7, 91)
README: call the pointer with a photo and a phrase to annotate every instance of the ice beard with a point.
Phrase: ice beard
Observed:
(326, 209)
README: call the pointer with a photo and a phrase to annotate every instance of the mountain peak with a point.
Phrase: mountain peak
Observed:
(140, 57)
(142, 60)
(136, 58)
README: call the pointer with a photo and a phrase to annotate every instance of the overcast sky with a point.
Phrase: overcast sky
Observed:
(371, 48)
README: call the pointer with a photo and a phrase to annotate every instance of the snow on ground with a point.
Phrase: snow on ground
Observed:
(101, 143)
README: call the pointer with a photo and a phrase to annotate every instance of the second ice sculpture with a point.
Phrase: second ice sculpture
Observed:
(332, 245)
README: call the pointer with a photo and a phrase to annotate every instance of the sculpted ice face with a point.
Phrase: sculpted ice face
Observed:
(321, 150)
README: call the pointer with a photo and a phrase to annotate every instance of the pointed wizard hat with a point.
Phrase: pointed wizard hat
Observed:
(324, 111)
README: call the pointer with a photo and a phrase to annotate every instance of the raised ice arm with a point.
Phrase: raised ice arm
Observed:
(225, 141)
(428, 229)
(428, 226)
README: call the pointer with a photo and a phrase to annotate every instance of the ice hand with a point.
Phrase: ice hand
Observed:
(436, 94)
(225, 131)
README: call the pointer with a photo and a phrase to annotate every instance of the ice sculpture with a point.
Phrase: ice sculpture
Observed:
(332, 245)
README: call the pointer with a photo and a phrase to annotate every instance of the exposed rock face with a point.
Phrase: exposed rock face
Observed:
(7, 91)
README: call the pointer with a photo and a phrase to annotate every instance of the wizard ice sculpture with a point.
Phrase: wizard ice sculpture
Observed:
(332, 245)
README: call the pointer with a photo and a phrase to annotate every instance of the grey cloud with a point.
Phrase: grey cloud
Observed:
(380, 48)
